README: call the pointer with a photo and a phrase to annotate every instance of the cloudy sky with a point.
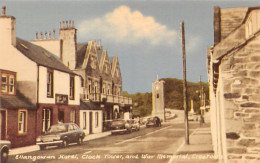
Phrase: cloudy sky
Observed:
(145, 35)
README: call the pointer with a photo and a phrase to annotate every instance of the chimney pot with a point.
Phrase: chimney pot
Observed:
(49, 35)
(45, 35)
(41, 36)
(3, 10)
(53, 33)
(36, 36)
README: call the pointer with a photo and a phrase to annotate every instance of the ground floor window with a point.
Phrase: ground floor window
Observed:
(46, 119)
(84, 120)
(22, 121)
(97, 119)
(73, 116)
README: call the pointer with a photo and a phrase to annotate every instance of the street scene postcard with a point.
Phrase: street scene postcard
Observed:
(135, 81)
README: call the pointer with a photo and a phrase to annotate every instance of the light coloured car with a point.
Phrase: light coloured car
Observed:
(5, 147)
(121, 126)
(61, 135)
(135, 124)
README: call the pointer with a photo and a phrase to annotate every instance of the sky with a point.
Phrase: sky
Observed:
(145, 35)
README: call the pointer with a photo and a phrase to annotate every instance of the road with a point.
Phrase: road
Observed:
(156, 144)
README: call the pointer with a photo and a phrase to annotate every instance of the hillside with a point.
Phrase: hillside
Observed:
(142, 102)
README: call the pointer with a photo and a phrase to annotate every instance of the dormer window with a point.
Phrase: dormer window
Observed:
(8, 80)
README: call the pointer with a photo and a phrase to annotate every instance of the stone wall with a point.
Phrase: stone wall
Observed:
(241, 86)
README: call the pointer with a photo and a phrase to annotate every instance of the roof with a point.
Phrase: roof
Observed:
(89, 105)
(40, 56)
(81, 51)
(15, 102)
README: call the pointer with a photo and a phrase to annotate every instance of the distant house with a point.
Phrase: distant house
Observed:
(37, 89)
(233, 71)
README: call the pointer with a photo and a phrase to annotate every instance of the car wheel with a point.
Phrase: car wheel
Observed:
(42, 147)
(4, 156)
(80, 141)
(65, 143)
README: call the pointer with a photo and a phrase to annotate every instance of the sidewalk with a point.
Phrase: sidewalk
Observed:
(199, 149)
(31, 148)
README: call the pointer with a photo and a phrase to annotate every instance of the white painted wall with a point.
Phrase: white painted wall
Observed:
(95, 129)
(61, 83)
(53, 46)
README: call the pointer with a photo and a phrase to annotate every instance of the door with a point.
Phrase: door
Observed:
(90, 122)
(46, 119)
(3, 124)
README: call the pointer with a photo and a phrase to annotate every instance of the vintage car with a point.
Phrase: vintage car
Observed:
(61, 135)
(121, 126)
(153, 122)
(135, 125)
(5, 147)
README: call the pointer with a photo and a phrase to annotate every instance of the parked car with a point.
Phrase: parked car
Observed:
(5, 147)
(121, 126)
(135, 124)
(153, 122)
(61, 135)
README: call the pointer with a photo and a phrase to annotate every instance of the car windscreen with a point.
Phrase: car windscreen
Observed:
(58, 128)
(118, 122)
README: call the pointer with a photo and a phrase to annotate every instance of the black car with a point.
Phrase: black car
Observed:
(5, 147)
(61, 135)
(153, 122)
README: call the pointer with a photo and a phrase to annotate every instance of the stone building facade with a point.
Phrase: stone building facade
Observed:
(234, 77)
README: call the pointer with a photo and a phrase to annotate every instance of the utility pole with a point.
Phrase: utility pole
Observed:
(187, 141)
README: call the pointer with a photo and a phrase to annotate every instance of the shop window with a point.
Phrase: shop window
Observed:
(8, 80)
(22, 121)
(73, 116)
(50, 83)
(96, 117)
(72, 88)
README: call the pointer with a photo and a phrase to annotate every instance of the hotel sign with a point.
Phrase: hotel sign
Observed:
(61, 99)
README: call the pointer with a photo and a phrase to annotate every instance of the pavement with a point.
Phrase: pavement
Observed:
(31, 148)
(199, 149)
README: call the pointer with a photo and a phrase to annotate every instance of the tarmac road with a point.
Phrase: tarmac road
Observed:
(156, 144)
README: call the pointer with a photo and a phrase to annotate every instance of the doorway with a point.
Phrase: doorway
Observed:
(90, 122)
(3, 125)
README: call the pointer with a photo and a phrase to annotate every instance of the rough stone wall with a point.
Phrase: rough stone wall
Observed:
(231, 18)
(241, 86)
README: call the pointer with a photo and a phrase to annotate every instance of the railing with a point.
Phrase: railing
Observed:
(97, 97)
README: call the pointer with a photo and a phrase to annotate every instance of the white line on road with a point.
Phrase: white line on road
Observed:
(87, 152)
(141, 136)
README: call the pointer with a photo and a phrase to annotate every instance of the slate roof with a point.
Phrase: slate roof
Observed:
(81, 51)
(89, 105)
(40, 56)
(15, 102)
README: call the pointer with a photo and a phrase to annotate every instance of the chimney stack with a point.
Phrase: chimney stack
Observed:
(3, 10)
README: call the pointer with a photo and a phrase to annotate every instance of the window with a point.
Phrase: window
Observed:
(8, 80)
(73, 116)
(46, 119)
(50, 83)
(72, 88)
(96, 115)
(84, 120)
(82, 82)
(22, 121)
